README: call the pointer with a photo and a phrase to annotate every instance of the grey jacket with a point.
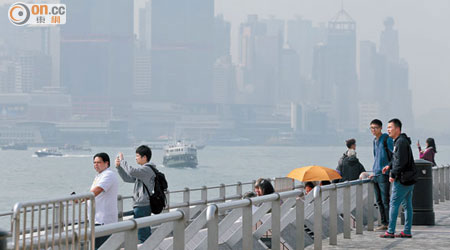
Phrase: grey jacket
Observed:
(138, 175)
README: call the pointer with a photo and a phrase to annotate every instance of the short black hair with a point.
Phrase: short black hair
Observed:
(323, 183)
(377, 122)
(104, 156)
(396, 122)
(350, 142)
(144, 150)
(309, 184)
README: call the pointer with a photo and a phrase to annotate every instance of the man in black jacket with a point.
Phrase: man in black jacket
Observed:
(401, 166)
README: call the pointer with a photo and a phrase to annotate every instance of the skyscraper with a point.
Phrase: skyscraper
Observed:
(341, 50)
(302, 36)
(182, 50)
(396, 75)
(389, 46)
(97, 57)
(260, 50)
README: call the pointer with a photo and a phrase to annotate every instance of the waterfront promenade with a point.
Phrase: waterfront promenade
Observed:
(424, 237)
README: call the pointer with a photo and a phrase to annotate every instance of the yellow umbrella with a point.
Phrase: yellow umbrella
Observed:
(314, 173)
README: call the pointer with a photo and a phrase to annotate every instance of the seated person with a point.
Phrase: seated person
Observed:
(309, 186)
(263, 187)
(324, 183)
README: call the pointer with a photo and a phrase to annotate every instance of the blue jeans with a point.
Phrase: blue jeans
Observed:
(401, 194)
(145, 232)
(382, 187)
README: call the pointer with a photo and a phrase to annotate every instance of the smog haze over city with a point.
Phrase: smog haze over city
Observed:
(225, 72)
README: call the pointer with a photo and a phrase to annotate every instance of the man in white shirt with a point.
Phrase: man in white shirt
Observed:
(105, 188)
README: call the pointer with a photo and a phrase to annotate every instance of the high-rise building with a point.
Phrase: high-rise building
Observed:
(290, 87)
(222, 37)
(396, 76)
(142, 74)
(97, 57)
(302, 36)
(182, 35)
(7, 76)
(260, 50)
(389, 46)
(33, 71)
(367, 70)
(224, 81)
(341, 50)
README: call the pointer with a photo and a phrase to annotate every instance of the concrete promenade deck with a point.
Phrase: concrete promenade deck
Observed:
(424, 237)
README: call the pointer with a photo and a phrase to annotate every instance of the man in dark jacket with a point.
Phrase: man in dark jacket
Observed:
(349, 166)
(401, 167)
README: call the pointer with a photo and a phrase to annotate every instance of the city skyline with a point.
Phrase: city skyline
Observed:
(183, 54)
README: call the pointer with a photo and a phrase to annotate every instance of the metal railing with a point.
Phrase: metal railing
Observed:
(441, 183)
(274, 212)
(291, 218)
(54, 223)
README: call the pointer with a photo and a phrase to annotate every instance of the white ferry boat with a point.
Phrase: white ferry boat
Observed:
(48, 152)
(180, 155)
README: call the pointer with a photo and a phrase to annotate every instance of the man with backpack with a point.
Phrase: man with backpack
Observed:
(143, 177)
(382, 152)
(403, 175)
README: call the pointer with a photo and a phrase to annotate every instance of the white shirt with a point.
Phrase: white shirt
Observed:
(106, 202)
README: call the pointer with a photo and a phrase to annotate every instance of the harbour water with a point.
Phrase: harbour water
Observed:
(25, 177)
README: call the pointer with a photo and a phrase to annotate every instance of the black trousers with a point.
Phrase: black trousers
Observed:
(100, 240)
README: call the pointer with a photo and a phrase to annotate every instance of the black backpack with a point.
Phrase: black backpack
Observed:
(158, 199)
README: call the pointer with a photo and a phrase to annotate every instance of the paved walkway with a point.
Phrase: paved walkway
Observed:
(424, 237)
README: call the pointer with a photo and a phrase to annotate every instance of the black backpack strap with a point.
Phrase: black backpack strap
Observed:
(388, 152)
(149, 194)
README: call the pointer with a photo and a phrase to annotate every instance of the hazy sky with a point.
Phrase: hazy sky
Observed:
(422, 25)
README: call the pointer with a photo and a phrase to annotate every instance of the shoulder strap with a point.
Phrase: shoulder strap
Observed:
(149, 194)
(388, 152)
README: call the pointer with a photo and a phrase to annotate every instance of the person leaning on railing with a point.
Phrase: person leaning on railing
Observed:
(105, 188)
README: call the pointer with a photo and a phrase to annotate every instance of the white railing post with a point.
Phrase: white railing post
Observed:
(222, 192)
(247, 227)
(435, 185)
(359, 208)
(186, 200)
(212, 218)
(300, 223)
(168, 200)
(333, 215)
(178, 233)
(346, 206)
(120, 207)
(204, 195)
(276, 223)
(370, 206)
(239, 189)
(441, 184)
(447, 182)
(317, 218)
(131, 237)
